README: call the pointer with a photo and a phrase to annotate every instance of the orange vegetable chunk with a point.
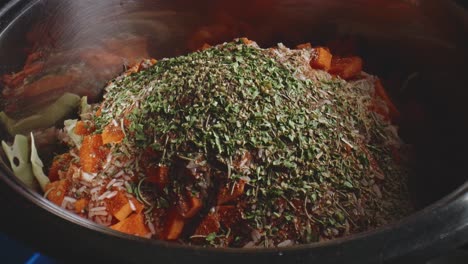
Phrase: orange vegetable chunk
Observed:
(209, 224)
(158, 175)
(133, 225)
(92, 153)
(60, 163)
(174, 225)
(346, 68)
(80, 205)
(227, 193)
(322, 59)
(112, 133)
(382, 93)
(56, 191)
(304, 46)
(83, 128)
(119, 206)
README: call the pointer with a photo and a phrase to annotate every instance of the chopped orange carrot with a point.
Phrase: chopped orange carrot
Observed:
(227, 194)
(92, 153)
(158, 175)
(246, 41)
(304, 46)
(174, 225)
(119, 206)
(112, 133)
(346, 68)
(56, 191)
(195, 204)
(133, 225)
(209, 224)
(99, 111)
(381, 92)
(205, 46)
(322, 59)
(229, 215)
(83, 128)
(80, 205)
(60, 163)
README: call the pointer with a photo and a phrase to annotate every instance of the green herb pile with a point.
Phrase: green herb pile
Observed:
(322, 162)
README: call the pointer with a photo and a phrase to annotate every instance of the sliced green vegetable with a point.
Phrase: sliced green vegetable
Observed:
(46, 117)
(37, 166)
(18, 155)
(85, 109)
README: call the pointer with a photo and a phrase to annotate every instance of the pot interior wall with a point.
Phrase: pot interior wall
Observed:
(418, 48)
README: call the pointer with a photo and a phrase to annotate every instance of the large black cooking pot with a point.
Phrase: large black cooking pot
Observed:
(419, 47)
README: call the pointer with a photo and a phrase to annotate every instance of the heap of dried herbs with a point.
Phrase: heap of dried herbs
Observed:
(322, 162)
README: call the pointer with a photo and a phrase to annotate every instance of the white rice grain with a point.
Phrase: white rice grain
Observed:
(99, 208)
(151, 228)
(95, 190)
(119, 174)
(111, 194)
(103, 196)
(110, 183)
(132, 205)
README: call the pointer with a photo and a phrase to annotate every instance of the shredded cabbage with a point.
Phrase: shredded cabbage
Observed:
(18, 155)
(44, 118)
(25, 162)
(37, 166)
(69, 127)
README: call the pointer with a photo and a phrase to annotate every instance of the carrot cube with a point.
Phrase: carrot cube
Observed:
(209, 224)
(80, 205)
(92, 153)
(322, 59)
(382, 93)
(174, 225)
(112, 133)
(56, 191)
(158, 175)
(346, 68)
(119, 206)
(133, 225)
(60, 163)
(191, 207)
(246, 41)
(304, 46)
(229, 215)
(83, 128)
(227, 194)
